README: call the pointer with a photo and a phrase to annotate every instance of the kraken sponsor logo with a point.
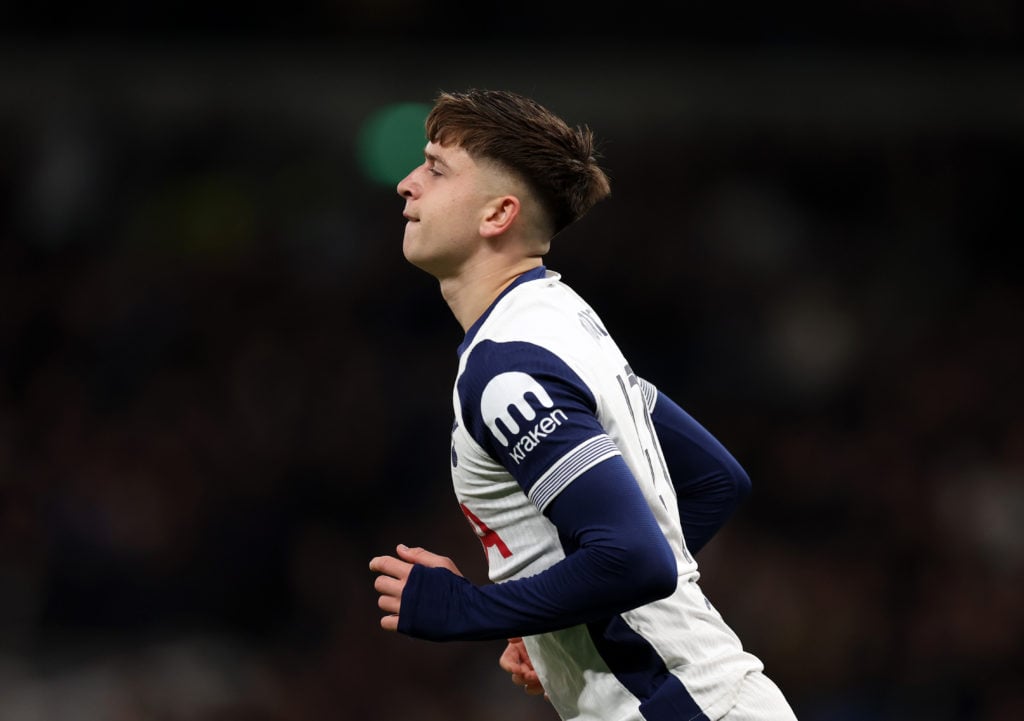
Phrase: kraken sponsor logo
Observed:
(532, 438)
(513, 390)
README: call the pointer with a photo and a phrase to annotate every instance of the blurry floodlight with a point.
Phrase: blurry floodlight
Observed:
(391, 141)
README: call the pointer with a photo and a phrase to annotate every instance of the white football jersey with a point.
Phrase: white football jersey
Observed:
(533, 374)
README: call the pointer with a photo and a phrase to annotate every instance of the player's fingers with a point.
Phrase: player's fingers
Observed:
(529, 683)
(510, 660)
(389, 604)
(521, 673)
(389, 623)
(426, 558)
(388, 586)
(515, 660)
(512, 666)
(523, 676)
(530, 676)
(524, 656)
(516, 651)
(390, 566)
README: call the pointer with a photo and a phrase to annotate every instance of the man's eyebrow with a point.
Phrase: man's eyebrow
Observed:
(436, 159)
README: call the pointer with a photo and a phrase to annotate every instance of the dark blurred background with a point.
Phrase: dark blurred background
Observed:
(222, 389)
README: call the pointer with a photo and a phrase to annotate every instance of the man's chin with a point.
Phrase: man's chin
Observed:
(417, 259)
(409, 249)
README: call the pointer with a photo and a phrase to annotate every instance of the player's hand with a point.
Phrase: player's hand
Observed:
(516, 661)
(394, 572)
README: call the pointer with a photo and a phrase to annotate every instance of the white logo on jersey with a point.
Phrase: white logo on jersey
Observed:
(531, 439)
(494, 401)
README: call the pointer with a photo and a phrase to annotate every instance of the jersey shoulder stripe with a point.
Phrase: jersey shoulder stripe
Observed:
(577, 461)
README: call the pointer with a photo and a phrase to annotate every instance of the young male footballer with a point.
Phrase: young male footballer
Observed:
(589, 489)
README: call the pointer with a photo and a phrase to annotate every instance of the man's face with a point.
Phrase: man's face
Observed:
(445, 202)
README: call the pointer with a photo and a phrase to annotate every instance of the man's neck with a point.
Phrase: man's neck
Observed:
(469, 294)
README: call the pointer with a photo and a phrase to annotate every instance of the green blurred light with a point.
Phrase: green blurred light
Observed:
(391, 141)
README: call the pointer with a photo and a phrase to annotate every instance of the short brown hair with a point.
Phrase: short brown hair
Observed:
(558, 163)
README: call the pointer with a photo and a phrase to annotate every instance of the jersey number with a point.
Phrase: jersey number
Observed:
(652, 449)
(626, 383)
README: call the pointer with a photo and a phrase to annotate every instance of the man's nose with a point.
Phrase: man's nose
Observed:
(405, 187)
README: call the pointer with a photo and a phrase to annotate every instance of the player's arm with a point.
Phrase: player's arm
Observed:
(710, 483)
(617, 559)
(616, 556)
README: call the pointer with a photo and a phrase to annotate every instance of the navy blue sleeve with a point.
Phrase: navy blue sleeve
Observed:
(525, 407)
(617, 559)
(710, 483)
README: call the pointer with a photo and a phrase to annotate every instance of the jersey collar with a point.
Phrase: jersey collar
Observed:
(532, 274)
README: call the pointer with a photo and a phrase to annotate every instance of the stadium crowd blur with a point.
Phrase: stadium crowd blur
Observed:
(222, 390)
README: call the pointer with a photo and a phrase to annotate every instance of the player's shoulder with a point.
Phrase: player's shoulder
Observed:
(545, 311)
(540, 327)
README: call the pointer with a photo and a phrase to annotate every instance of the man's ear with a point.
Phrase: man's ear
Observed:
(499, 215)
